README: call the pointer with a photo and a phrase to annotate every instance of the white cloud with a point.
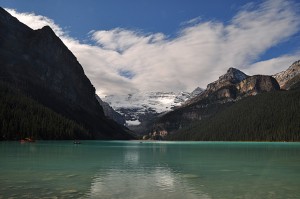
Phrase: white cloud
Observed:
(267, 67)
(121, 39)
(202, 50)
(37, 21)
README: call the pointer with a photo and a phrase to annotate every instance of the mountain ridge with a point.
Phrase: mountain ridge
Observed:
(285, 78)
(219, 95)
(40, 65)
(110, 112)
(230, 78)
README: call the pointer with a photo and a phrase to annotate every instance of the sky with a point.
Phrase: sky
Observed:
(170, 45)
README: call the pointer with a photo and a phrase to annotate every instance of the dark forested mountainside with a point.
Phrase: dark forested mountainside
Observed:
(39, 64)
(272, 116)
(23, 117)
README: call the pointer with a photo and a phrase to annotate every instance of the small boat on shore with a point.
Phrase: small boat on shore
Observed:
(26, 140)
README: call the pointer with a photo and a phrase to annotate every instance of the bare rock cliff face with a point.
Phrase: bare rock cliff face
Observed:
(232, 76)
(224, 87)
(289, 77)
(257, 84)
(40, 65)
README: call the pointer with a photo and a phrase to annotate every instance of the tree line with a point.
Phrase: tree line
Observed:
(21, 117)
(273, 116)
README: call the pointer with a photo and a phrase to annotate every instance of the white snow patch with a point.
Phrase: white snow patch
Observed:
(132, 123)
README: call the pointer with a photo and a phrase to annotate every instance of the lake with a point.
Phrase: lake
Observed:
(134, 169)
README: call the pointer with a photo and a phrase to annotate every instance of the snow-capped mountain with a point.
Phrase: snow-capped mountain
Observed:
(141, 106)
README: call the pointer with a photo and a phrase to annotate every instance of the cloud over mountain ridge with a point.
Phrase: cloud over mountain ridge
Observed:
(200, 52)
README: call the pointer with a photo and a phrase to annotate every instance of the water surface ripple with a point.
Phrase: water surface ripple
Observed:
(134, 169)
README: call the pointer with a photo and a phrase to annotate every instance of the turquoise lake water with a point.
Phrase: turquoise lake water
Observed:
(130, 169)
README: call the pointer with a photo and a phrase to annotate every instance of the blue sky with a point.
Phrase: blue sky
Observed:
(81, 16)
(168, 45)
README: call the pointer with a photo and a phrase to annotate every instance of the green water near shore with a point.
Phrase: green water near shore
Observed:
(131, 169)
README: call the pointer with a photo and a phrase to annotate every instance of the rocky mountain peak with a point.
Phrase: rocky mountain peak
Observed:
(234, 85)
(288, 77)
(196, 92)
(232, 76)
(47, 29)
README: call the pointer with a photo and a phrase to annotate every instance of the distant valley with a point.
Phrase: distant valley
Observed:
(140, 109)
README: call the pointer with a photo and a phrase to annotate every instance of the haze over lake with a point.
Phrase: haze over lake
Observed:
(134, 169)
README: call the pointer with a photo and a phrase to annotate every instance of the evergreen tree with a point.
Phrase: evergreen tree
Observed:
(21, 117)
